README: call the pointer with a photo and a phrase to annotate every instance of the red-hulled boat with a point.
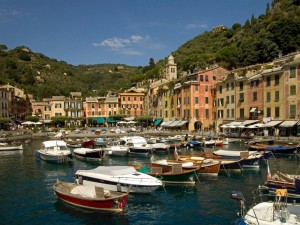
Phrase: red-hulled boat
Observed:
(90, 197)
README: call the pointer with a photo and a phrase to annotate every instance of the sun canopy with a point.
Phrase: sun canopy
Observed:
(272, 123)
(289, 123)
(174, 123)
(248, 122)
(157, 122)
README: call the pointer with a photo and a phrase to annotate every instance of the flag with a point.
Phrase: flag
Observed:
(176, 156)
(151, 158)
(268, 170)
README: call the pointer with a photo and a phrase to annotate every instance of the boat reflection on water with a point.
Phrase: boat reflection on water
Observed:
(87, 216)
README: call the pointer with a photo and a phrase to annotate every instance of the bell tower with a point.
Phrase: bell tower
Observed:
(171, 69)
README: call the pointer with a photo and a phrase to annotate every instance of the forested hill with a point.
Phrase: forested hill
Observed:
(259, 40)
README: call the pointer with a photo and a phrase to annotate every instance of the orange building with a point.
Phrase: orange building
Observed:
(131, 102)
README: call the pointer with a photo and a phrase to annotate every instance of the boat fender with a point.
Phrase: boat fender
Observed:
(37, 154)
(118, 187)
(80, 180)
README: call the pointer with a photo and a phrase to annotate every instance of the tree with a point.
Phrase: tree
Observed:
(236, 26)
(24, 56)
(151, 63)
(3, 47)
(32, 118)
(285, 33)
(59, 120)
(228, 55)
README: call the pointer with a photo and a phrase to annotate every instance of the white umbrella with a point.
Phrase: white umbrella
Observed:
(131, 122)
(38, 123)
(224, 126)
(28, 123)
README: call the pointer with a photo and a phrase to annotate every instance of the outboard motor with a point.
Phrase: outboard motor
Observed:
(238, 196)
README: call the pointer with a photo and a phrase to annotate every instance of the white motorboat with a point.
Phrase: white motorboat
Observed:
(228, 141)
(89, 153)
(137, 145)
(278, 211)
(116, 149)
(54, 151)
(120, 177)
(160, 148)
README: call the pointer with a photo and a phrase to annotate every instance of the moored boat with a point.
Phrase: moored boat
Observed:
(54, 151)
(282, 180)
(159, 148)
(196, 145)
(275, 149)
(266, 212)
(89, 153)
(90, 197)
(110, 177)
(249, 159)
(208, 166)
(8, 147)
(99, 142)
(176, 172)
(116, 149)
(137, 146)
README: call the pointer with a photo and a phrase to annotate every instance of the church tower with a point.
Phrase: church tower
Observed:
(171, 69)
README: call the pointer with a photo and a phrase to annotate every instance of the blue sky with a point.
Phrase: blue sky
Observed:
(115, 31)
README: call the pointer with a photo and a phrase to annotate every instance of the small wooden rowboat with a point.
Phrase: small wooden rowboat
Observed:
(90, 197)
(7, 147)
(174, 172)
(208, 166)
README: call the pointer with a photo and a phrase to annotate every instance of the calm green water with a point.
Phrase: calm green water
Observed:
(26, 195)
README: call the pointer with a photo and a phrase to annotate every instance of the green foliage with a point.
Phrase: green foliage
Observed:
(32, 118)
(144, 118)
(258, 41)
(4, 121)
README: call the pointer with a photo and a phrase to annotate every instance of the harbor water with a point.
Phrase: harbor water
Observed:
(27, 197)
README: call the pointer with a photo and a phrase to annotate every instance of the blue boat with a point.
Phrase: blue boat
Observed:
(282, 149)
(195, 145)
(99, 142)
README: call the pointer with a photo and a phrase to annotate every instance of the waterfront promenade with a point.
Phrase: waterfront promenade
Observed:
(10, 136)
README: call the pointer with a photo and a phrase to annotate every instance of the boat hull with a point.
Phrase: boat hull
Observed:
(170, 175)
(210, 169)
(136, 151)
(185, 179)
(96, 154)
(54, 158)
(109, 204)
(11, 148)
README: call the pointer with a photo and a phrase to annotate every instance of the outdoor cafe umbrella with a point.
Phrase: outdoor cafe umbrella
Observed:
(28, 123)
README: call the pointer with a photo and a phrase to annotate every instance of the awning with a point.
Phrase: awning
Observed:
(174, 124)
(166, 124)
(235, 123)
(253, 110)
(272, 123)
(289, 123)
(99, 120)
(181, 123)
(248, 122)
(157, 122)
(112, 120)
